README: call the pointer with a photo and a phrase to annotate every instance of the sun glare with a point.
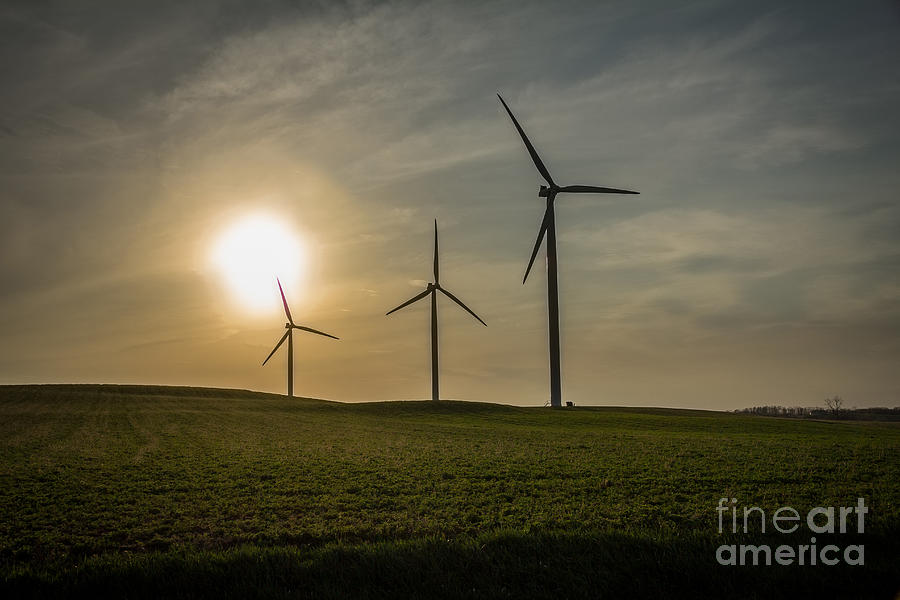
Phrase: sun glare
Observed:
(251, 253)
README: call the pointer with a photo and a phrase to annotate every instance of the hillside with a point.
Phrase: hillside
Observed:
(146, 490)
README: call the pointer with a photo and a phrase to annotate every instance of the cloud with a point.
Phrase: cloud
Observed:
(739, 269)
(762, 138)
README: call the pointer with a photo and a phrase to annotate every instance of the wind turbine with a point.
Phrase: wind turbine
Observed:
(548, 227)
(289, 336)
(433, 289)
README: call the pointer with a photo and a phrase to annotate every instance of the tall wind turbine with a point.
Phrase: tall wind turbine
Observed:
(432, 289)
(289, 336)
(548, 227)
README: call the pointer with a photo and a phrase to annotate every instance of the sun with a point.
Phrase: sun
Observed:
(251, 253)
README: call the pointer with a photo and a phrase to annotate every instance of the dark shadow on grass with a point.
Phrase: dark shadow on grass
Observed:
(498, 565)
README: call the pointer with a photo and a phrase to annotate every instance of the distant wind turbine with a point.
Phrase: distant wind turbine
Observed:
(432, 289)
(548, 227)
(289, 336)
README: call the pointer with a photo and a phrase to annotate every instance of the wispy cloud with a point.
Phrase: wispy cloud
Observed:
(762, 137)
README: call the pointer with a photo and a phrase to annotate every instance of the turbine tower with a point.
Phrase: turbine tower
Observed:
(548, 227)
(289, 336)
(432, 289)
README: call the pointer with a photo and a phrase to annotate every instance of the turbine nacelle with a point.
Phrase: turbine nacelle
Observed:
(546, 191)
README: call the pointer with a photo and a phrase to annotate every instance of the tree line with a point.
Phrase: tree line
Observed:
(833, 409)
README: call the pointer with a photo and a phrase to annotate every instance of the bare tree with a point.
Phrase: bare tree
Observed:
(834, 404)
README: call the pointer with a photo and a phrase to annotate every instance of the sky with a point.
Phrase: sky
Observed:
(759, 265)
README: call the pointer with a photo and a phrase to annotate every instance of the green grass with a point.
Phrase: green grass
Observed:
(149, 491)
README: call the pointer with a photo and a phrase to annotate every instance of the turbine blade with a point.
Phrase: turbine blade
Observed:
(534, 155)
(311, 330)
(540, 238)
(287, 311)
(437, 276)
(591, 189)
(410, 301)
(466, 308)
(277, 346)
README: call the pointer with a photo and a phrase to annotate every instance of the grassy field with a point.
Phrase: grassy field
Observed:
(184, 492)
